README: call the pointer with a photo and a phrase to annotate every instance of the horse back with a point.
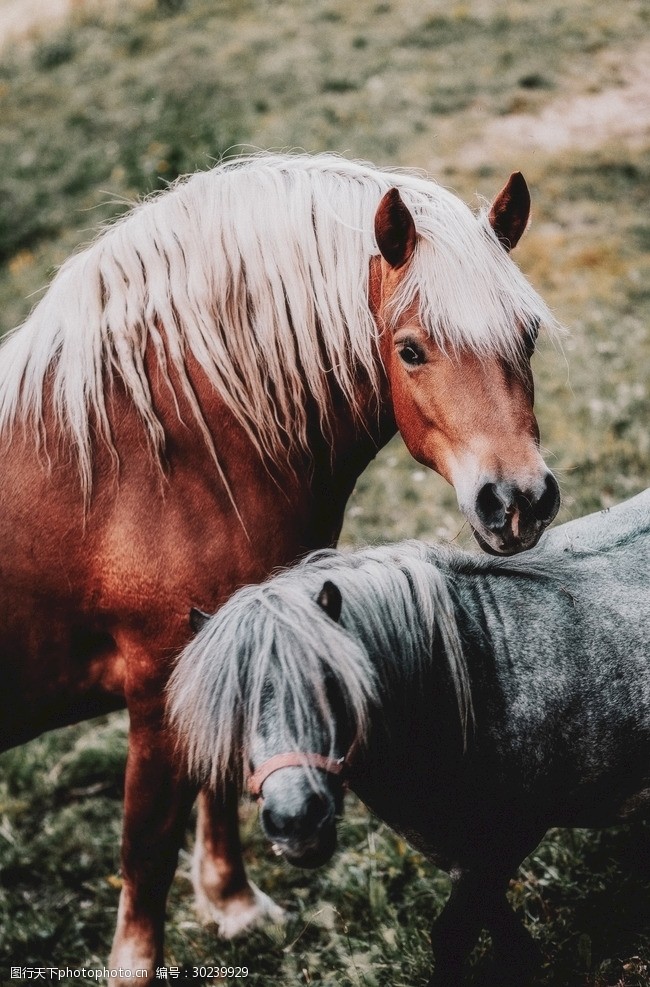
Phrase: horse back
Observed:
(603, 530)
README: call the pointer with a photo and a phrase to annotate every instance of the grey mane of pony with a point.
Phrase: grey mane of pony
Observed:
(396, 609)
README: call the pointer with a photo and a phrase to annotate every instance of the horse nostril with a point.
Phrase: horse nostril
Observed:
(316, 812)
(546, 507)
(496, 501)
(275, 824)
(490, 508)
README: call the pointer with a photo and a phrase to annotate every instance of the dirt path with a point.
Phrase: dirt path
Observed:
(619, 113)
(21, 18)
(25, 19)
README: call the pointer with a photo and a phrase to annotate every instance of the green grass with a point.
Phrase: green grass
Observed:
(363, 919)
(106, 109)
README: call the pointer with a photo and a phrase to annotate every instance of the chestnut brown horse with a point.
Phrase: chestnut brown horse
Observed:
(190, 405)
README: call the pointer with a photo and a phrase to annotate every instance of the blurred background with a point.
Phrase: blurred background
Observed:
(101, 103)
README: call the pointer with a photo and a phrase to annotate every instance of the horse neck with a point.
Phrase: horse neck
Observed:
(336, 462)
(415, 740)
(312, 486)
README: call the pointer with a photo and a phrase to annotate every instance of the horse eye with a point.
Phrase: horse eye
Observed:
(412, 354)
(531, 334)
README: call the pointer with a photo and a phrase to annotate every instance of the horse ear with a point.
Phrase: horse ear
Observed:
(394, 229)
(198, 619)
(329, 599)
(510, 211)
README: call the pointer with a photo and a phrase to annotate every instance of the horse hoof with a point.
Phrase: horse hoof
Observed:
(236, 915)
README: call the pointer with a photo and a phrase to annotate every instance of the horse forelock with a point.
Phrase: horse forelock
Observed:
(259, 270)
(469, 292)
(266, 638)
(397, 613)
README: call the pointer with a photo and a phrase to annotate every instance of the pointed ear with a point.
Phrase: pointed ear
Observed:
(510, 211)
(394, 229)
(329, 599)
(198, 619)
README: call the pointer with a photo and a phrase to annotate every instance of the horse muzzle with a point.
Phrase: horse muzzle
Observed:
(300, 820)
(311, 855)
(305, 838)
(507, 519)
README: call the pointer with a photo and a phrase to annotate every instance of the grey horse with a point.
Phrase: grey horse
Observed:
(470, 702)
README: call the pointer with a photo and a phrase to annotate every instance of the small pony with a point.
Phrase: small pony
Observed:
(471, 703)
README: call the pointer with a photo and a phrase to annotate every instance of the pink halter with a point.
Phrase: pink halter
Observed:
(294, 759)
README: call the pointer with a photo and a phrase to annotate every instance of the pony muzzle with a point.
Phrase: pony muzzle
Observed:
(306, 839)
(300, 820)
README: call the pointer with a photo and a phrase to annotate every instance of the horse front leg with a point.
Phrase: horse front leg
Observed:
(516, 954)
(457, 928)
(479, 902)
(224, 895)
(157, 802)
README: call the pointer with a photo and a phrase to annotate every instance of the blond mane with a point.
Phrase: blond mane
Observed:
(258, 268)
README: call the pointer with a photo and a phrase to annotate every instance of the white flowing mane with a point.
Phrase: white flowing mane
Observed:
(398, 617)
(258, 268)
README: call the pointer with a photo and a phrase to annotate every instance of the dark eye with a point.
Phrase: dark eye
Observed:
(530, 336)
(412, 354)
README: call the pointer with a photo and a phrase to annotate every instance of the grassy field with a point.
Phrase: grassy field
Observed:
(106, 107)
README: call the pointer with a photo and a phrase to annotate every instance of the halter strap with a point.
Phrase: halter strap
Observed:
(294, 759)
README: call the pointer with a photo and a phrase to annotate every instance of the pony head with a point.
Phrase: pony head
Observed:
(285, 695)
(295, 736)
(302, 791)
(458, 327)
(283, 688)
